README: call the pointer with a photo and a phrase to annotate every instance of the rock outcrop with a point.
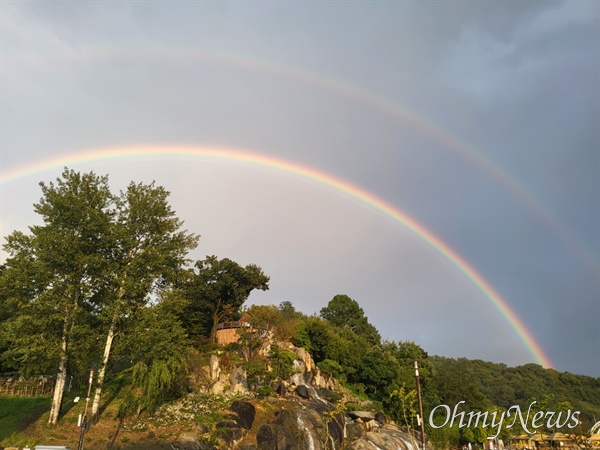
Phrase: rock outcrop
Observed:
(293, 429)
(300, 414)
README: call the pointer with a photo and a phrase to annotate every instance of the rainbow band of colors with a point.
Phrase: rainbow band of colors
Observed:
(322, 178)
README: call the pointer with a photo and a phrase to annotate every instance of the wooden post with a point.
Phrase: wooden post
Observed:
(420, 416)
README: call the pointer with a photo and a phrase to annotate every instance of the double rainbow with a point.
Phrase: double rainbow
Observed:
(322, 178)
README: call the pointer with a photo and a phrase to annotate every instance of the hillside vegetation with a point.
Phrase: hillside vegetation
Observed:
(104, 282)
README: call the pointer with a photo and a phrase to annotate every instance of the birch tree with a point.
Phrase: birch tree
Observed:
(52, 276)
(149, 248)
(95, 259)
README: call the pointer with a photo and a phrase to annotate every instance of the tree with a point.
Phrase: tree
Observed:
(51, 278)
(95, 260)
(148, 251)
(216, 290)
(378, 371)
(343, 311)
(160, 359)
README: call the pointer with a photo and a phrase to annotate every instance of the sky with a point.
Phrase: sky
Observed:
(438, 162)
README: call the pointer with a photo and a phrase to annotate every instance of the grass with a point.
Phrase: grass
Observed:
(23, 421)
(17, 413)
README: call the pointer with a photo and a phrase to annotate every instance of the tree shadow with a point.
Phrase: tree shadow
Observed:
(111, 444)
(66, 406)
(109, 400)
(17, 413)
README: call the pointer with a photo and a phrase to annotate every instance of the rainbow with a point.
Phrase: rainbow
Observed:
(95, 54)
(321, 178)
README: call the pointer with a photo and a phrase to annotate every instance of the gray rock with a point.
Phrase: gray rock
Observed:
(303, 391)
(365, 416)
(238, 380)
(381, 417)
(266, 438)
(354, 430)
(294, 429)
(281, 389)
(187, 441)
(277, 437)
(387, 437)
(335, 430)
(229, 434)
(326, 394)
(245, 413)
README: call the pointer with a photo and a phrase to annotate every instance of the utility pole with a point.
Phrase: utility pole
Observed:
(83, 421)
(420, 420)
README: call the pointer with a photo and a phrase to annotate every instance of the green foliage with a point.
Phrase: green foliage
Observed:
(85, 271)
(50, 285)
(301, 338)
(341, 345)
(282, 324)
(403, 406)
(342, 311)
(160, 359)
(288, 311)
(378, 371)
(442, 438)
(216, 290)
(484, 385)
(282, 362)
(257, 373)
(330, 367)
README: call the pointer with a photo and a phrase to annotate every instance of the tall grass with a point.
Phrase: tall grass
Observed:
(16, 413)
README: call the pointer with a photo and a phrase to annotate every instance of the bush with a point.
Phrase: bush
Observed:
(282, 362)
(331, 367)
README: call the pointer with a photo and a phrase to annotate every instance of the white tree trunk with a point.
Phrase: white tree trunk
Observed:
(61, 377)
(102, 371)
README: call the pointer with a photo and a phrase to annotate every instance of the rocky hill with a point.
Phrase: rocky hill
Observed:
(306, 411)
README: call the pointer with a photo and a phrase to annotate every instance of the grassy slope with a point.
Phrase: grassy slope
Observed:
(24, 422)
(18, 413)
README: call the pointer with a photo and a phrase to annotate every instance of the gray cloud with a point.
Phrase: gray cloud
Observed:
(516, 83)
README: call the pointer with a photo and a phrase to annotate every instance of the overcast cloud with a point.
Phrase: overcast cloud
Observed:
(479, 120)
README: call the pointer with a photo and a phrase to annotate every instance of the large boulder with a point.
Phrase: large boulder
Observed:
(189, 441)
(365, 416)
(303, 391)
(355, 430)
(388, 437)
(293, 429)
(244, 413)
(229, 434)
(336, 430)
(238, 381)
(325, 394)
(273, 437)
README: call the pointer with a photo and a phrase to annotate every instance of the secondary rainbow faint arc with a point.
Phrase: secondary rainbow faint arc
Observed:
(323, 178)
(432, 131)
